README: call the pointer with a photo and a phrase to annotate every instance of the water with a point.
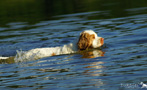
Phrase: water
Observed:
(122, 67)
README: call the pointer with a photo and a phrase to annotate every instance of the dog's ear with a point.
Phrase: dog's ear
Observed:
(85, 41)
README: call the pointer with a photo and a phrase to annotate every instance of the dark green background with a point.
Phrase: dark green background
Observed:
(33, 11)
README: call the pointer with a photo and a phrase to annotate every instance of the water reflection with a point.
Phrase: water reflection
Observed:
(87, 71)
(92, 53)
(95, 69)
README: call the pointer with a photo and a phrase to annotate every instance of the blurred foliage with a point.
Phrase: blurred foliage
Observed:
(36, 10)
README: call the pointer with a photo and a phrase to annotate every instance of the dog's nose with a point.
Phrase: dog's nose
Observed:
(102, 41)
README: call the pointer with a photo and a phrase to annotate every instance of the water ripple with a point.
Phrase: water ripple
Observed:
(124, 59)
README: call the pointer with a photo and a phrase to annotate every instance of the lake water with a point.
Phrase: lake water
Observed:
(122, 67)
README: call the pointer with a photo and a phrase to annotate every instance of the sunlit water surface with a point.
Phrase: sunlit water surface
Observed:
(124, 61)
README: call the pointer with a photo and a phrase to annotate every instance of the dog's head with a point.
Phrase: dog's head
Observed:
(89, 39)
